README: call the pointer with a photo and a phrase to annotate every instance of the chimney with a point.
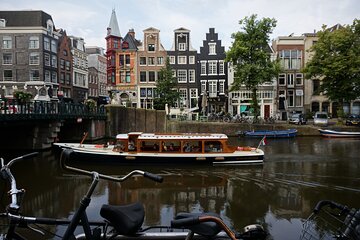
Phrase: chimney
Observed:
(132, 32)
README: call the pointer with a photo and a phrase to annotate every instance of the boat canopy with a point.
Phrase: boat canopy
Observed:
(183, 136)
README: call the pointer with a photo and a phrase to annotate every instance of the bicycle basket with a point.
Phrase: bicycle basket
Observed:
(327, 225)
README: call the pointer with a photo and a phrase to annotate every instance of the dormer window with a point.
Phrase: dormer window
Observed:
(212, 48)
(182, 46)
(151, 47)
(49, 27)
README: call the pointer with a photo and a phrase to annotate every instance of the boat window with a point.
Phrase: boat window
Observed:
(150, 146)
(171, 146)
(192, 146)
(213, 146)
(120, 145)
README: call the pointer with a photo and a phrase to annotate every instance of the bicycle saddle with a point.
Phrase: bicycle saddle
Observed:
(207, 229)
(126, 219)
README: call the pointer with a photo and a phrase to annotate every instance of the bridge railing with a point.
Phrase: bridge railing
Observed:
(49, 110)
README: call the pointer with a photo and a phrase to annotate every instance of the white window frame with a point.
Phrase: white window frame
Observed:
(182, 46)
(160, 61)
(221, 67)
(172, 59)
(299, 77)
(203, 68)
(8, 60)
(34, 42)
(191, 75)
(33, 73)
(46, 43)
(181, 59)
(282, 76)
(290, 79)
(222, 86)
(203, 84)
(289, 95)
(47, 59)
(183, 97)
(7, 42)
(8, 78)
(212, 64)
(151, 61)
(34, 58)
(212, 48)
(191, 59)
(54, 61)
(140, 63)
(213, 88)
(182, 75)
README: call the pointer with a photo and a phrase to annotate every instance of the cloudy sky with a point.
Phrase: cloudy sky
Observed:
(90, 18)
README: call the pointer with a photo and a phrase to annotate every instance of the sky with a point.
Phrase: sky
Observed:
(90, 18)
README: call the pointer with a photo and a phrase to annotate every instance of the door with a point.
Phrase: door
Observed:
(266, 111)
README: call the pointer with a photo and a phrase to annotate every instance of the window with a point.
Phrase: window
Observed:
(299, 93)
(290, 80)
(151, 47)
(299, 79)
(47, 76)
(68, 78)
(34, 42)
(8, 75)
(203, 86)
(127, 77)
(67, 64)
(142, 60)
(181, 59)
(62, 78)
(54, 77)
(291, 98)
(121, 60)
(54, 61)
(221, 86)
(142, 76)
(34, 75)
(151, 76)
(221, 67)
(191, 75)
(172, 59)
(7, 42)
(34, 58)
(65, 53)
(212, 88)
(62, 64)
(193, 97)
(127, 59)
(182, 76)
(183, 97)
(47, 44)
(212, 48)
(151, 60)
(282, 79)
(290, 59)
(7, 58)
(47, 59)
(203, 68)
(160, 61)
(182, 46)
(212, 67)
(191, 59)
(316, 87)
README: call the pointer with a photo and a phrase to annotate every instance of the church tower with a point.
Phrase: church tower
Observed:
(113, 43)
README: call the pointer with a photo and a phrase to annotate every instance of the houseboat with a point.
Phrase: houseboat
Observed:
(177, 148)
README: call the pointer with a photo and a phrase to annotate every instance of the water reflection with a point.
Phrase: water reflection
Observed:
(297, 173)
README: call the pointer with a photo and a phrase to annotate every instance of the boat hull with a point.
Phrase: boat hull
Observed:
(338, 134)
(271, 134)
(95, 154)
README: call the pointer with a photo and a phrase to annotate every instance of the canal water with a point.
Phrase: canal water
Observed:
(280, 195)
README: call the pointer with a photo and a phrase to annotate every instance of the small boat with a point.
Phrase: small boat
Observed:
(271, 133)
(338, 134)
(179, 148)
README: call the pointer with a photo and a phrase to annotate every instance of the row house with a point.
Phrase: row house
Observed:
(212, 75)
(80, 69)
(151, 58)
(97, 74)
(65, 66)
(29, 54)
(182, 57)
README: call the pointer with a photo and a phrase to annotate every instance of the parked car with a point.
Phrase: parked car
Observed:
(321, 118)
(353, 119)
(297, 118)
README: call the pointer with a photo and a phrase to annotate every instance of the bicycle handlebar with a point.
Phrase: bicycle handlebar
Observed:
(329, 203)
(65, 154)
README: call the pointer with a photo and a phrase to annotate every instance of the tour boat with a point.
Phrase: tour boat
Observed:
(179, 148)
(338, 134)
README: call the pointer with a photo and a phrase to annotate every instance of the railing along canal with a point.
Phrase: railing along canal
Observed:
(38, 110)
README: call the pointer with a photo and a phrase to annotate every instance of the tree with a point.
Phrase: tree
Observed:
(166, 88)
(250, 56)
(336, 62)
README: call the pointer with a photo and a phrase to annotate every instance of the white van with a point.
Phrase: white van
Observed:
(321, 118)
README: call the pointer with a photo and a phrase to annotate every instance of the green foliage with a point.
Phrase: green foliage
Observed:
(22, 96)
(336, 61)
(250, 55)
(166, 88)
(90, 103)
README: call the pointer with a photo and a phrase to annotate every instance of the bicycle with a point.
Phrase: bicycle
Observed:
(121, 222)
(331, 220)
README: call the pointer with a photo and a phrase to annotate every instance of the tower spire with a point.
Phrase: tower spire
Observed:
(113, 28)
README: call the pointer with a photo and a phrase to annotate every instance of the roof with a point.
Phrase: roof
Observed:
(28, 18)
(113, 28)
(176, 136)
(133, 43)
